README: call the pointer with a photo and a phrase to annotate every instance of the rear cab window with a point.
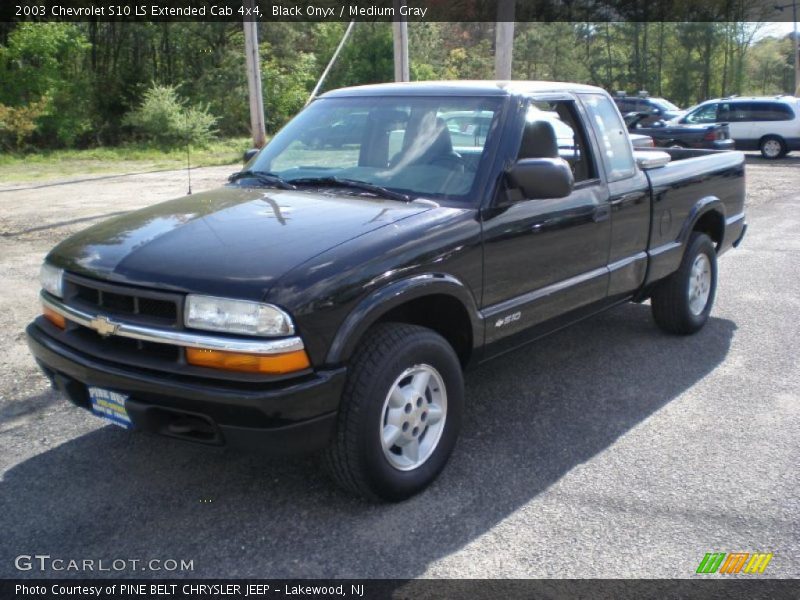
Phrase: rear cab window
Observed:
(612, 136)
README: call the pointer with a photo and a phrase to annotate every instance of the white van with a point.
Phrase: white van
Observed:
(767, 123)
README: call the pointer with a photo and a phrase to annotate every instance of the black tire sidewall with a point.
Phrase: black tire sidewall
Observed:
(386, 480)
(701, 244)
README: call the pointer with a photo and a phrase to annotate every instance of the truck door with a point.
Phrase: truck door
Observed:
(546, 258)
(628, 193)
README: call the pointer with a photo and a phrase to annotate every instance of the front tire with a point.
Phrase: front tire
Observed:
(682, 302)
(400, 413)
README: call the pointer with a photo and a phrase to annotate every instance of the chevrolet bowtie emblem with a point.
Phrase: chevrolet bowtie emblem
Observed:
(104, 326)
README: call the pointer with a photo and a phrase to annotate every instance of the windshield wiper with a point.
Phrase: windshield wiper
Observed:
(263, 177)
(353, 183)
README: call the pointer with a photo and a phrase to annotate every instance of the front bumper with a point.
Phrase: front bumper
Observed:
(288, 417)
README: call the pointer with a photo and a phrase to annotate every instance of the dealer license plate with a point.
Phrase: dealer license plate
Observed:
(111, 406)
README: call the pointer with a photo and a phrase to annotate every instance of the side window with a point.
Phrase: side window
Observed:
(726, 112)
(570, 136)
(617, 153)
(771, 111)
(704, 114)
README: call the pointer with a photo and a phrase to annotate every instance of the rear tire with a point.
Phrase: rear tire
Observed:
(682, 302)
(772, 147)
(400, 413)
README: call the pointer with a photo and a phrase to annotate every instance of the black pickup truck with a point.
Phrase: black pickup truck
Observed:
(328, 298)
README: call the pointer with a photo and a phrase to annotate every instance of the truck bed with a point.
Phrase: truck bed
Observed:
(692, 181)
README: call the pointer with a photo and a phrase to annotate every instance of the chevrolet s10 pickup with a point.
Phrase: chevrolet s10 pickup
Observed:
(330, 295)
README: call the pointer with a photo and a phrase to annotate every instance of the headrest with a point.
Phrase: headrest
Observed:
(539, 141)
(442, 144)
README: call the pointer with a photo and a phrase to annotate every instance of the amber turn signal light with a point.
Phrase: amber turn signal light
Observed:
(55, 318)
(273, 364)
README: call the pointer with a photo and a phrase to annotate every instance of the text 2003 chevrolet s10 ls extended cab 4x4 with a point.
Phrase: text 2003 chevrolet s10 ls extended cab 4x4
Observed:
(330, 295)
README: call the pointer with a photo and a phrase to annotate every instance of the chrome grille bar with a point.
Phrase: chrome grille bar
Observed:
(108, 327)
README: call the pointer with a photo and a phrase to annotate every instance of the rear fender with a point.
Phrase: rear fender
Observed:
(702, 207)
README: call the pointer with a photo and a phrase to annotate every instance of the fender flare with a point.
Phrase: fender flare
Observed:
(702, 207)
(381, 301)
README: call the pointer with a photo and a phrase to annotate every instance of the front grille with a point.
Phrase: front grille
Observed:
(155, 308)
(148, 308)
(124, 350)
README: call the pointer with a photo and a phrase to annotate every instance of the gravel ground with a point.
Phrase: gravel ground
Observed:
(606, 450)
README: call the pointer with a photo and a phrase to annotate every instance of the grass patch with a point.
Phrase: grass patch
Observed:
(66, 164)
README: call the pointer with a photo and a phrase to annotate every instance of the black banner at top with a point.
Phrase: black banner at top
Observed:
(388, 10)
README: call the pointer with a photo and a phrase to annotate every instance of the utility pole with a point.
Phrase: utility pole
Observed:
(400, 31)
(257, 123)
(796, 46)
(504, 40)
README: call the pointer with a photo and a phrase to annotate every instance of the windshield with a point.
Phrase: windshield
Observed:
(418, 146)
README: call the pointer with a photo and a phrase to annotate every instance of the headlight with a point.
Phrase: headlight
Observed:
(236, 316)
(52, 280)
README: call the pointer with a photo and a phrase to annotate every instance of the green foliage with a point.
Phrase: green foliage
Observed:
(367, 57)
(769, 69)
(18, 124)
(72, 84)
(45, 60)
(165, 119)
(286, 85)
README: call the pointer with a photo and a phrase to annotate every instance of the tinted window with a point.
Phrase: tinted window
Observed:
(615, 145)
(768, 111)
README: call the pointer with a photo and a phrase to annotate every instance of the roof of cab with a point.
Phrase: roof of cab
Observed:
(461, 88)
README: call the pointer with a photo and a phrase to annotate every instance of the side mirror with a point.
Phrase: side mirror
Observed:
(540, 178)
(249, 154)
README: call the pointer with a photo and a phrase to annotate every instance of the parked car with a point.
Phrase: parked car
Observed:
(673, 135)
(770, 124)
(331, 300)
(656, 108)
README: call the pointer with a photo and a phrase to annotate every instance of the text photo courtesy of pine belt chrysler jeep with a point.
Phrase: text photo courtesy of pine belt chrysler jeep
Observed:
(329, 297)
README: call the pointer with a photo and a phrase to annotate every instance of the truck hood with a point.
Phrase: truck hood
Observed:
(232, 241)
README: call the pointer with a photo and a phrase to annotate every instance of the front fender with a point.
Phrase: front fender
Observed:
(381, 301)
